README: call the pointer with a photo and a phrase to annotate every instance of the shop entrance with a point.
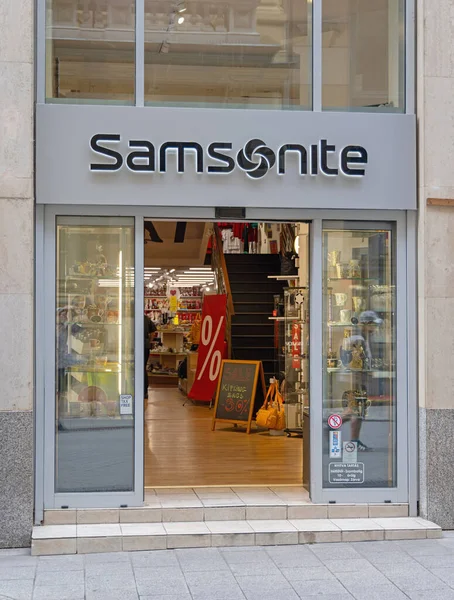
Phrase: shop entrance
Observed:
(237, 291)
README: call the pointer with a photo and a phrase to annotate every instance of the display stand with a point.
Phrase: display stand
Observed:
(169, 359)
(296, 383)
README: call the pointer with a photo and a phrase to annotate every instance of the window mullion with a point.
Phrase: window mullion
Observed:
(140, 53)
(316, 54)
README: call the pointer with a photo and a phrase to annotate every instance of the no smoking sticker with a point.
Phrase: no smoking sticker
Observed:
(335, 421)
(350, 452)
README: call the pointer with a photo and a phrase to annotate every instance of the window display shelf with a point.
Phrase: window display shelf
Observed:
(110, 368)
(345, 371)
(93, 277)
(156, 352)
(352, 278)
(93, 323)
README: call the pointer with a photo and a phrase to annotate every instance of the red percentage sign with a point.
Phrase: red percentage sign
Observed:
(241, 406)
(215, 358)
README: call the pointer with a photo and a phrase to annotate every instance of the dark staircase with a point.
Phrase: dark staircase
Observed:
(253, 300)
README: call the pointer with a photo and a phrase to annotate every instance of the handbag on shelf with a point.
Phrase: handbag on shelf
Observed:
(267, 415)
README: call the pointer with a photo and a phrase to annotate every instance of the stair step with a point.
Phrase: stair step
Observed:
(116, 537)
(253, 297)
(253, 329)
(252, 318)
(256, 276)
(245, 307)
(268, 259)
(253, 353)
(264, 287)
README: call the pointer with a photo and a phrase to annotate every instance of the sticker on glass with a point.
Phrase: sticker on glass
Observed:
(335, 448)
(125, 404)
(335, 421)
(350, 452)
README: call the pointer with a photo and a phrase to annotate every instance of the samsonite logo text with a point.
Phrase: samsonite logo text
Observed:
(255, 158)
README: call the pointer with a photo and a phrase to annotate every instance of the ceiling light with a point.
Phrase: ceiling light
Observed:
(172, 270)
(200, 268)
(180, 20)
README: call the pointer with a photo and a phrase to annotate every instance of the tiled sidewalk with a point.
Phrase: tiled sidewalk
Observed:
(387, 570)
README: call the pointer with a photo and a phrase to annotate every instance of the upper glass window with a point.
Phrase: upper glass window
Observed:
(90, 51)
(236, 54)
(363, 55)
(232, 54)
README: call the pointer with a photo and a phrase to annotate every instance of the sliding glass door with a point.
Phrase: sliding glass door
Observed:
(94, 401)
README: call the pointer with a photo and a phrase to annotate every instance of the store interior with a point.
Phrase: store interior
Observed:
(226, 347)
(259, 267)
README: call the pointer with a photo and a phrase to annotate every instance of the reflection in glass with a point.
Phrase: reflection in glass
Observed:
(95, 355)
(359, 360)
(237, 53)
(363, 55)
(90, 51)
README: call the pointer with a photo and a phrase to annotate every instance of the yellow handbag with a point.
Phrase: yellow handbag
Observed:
(268, 414)
(279, 405)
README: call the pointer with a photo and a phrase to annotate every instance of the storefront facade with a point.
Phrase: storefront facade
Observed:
(343, 165)
(334, 169)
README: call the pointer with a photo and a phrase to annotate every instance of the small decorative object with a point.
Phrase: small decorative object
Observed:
(359, 303)
(334, 257)
(341, 299)
(358, 356)
(345, 315)
(332, 361)
(356, 402)
(342, 271)
(354, 269)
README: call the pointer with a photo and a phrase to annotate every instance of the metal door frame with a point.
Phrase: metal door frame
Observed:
(407, 464)
(401, 493)
(46, 303)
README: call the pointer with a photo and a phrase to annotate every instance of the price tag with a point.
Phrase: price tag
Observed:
(125, 404)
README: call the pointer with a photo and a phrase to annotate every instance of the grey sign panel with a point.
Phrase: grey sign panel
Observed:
(111, 155)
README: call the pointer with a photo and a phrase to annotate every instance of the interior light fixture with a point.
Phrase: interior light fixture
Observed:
(180, 20)
(181, 6)
(172, 271)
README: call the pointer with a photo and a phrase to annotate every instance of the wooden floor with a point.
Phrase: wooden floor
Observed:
(181, 449)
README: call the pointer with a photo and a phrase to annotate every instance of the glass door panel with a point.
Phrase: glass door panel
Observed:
(94, 416)
(359, 358)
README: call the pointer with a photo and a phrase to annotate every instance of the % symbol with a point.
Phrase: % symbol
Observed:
(206, 335)
(240, 406)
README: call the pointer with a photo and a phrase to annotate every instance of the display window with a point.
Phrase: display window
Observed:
(94, 376)
(359, 357)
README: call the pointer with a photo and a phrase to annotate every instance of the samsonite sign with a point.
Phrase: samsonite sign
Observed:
(256, 159)
(110, 155)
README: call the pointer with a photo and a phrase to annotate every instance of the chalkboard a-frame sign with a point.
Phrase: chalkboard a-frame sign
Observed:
(236, 391)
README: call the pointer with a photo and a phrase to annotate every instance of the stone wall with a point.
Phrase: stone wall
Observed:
(16, 271)
(436, 258)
